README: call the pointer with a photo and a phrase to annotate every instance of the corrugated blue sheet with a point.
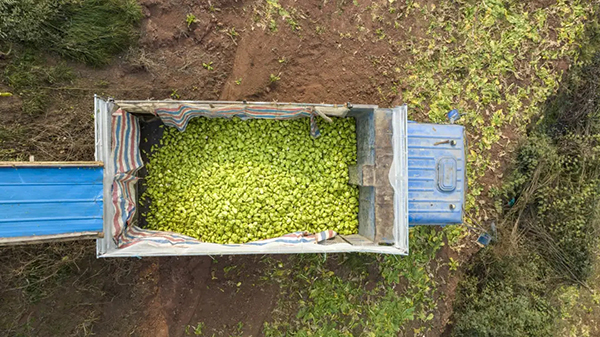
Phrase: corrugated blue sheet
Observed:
(50, 200)
(436, 198)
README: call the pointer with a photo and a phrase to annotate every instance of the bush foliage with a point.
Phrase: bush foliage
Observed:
(550, 211)
(89, 31)
(502, 297)
(555, 183)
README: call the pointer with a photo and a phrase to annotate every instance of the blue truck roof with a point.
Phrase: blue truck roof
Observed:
(36, 201)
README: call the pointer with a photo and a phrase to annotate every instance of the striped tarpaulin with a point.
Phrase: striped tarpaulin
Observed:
(179, 117)
(297, 237)
(127, 161)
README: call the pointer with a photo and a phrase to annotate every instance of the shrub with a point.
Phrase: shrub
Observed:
(552, 199)
(89, 31)
(502, 297)
(27, 20)
(557, 175)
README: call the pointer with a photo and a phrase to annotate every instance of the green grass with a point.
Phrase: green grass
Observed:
(62, 276)
(339, 296)
(580, 308)
(89, 31)
(496, 62)
(502, 296)
(31, 78)
(527, 284)
(10, 134)
(45, 267)
(555, 179)
(97, 29)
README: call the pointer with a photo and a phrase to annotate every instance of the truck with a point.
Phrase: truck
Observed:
(407, 174)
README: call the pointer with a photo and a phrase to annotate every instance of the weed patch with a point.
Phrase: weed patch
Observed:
(357, 294)
(46, 265)
(550, 226)
(31, 79)
(89, 31)
(556, 178)
(496, 62)
(269, 13)
(502, 297)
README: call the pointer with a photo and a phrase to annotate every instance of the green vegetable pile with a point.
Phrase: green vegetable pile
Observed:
(235, 181)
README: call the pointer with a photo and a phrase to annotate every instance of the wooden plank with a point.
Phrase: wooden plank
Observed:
(29, 240)
(50, 163)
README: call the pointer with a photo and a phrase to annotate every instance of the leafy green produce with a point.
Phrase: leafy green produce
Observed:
(235, 181)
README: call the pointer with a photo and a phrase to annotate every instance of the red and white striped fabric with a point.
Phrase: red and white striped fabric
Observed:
(180, 117)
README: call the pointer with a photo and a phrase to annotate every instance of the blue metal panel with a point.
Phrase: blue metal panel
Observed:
(436, 174)
(50, 200)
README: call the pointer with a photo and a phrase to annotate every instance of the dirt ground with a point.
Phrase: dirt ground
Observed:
(317, 62)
